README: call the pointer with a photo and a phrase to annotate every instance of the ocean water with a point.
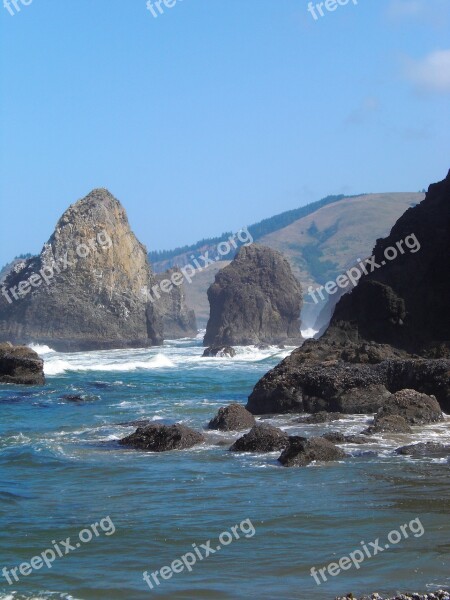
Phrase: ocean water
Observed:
(62, 470)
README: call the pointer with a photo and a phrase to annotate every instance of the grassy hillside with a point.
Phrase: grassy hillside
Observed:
(322, 244)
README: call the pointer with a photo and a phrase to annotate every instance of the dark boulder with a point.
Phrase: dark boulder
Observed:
(232, 418)
(261, 438)
(221, 351)
(255, 299)
(415, 408)
(20, 365)
(301, 452)
(389, 424)
(162, 438)
(425, 449)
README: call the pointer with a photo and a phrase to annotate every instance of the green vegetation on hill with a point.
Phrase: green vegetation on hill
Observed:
(258, 230)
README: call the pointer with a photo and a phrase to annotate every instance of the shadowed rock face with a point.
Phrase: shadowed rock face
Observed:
(405, 303)
(391, 333)
(178, 319)
(255, 299)
(21, 365)
(98, 299)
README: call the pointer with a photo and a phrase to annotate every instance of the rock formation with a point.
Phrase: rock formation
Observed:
(261, 438)
(21, 365)
(300, 452)
(405, 302)
(391, 333)
(88, 289)
(178, 320)
(232, 418)
(162, 438)
(255, 299)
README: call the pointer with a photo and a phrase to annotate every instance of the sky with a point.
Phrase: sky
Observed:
(215, 114)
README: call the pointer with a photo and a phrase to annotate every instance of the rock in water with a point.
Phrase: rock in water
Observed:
(301, 452)
(391, 333)
(405, 302)
(415, 408)
(255, 299)
(220, 351)
(261, 438)
(232, 418)
(178, 319)
(162, 438)
(88, 289)
(21, 365)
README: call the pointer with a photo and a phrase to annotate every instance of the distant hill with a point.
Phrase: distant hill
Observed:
(162, 260)
(328, 238)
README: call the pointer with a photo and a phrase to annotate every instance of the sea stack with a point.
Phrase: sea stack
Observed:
(177, 318)
(255, 299)
(89, 287)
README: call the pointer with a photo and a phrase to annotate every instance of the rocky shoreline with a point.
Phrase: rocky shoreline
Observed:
(439, 595)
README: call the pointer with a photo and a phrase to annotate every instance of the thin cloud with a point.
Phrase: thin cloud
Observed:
(431, 73)
(363, 112)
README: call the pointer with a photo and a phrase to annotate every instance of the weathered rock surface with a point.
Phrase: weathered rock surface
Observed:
(261, 438)
(178, 319)
(389, 424)
(336, 437)
(255, 299)
(438, 595)
(301, 452)
(162, 438)
(221, 351)
(320, 417)
(20, 365)
(415, 408)
(232, 418)
(88, 289)
(342, 377)
(390, 333)
(425, 449)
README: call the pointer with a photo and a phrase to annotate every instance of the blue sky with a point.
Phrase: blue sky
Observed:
(217, 113)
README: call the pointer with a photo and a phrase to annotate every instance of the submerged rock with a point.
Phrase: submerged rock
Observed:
(221, 351)
(336, 437)
(254, 300)
(261, 438)
(162, 438)
(425, 449)
(301, 452)
(321, 417)
(20, 365)
(232, 418)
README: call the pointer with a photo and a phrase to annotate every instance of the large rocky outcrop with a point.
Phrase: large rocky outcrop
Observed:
(89, 286)
(405, 302)
(178, 319)
(390, 333)
(21, 365)
(255, 299)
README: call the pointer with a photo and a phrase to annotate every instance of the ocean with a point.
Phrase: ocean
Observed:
(62, 470)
